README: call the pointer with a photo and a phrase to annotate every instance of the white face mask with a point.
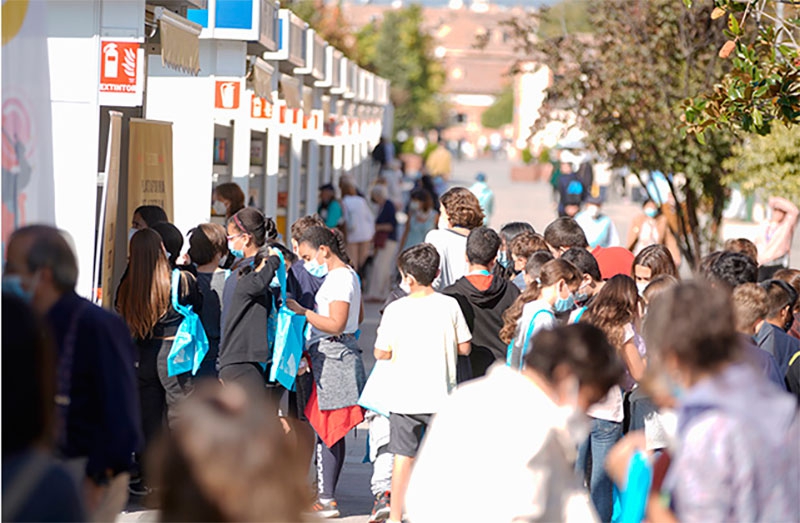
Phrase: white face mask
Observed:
(443, 222)
(404, 286)
(593, 210)
(220, 208)
(641, 286)
(131, 232)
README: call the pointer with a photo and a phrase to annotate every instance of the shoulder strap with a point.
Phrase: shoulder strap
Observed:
(580, 313)
(281, 273)
(176, 282)
(794, 358)
(528, 334)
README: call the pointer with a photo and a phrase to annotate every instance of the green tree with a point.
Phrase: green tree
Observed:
(328, 20)
(501, 112)
(565, 17)
(762, 85)
(626, 82)
(768, 163)
(400, 50)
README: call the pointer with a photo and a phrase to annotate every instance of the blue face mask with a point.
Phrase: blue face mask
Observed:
(651, 212)
(502, 259)
(236, 253)
(565, 304)
(314, 268)
(12, 284)
(581, 297)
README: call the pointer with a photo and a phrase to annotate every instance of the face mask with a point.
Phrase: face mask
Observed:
(651, 212)
(581, 297)
(220, 208)
(314, 268)
(443, 222)
(12, 284)
(413, 206)
(405, 287)
(565, 304)
(502, 259)
(641, 286)
(236, 253)
(131, 233)
(593, 210)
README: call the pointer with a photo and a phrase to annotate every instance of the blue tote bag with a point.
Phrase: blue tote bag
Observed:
(191, 343)
(289, 340)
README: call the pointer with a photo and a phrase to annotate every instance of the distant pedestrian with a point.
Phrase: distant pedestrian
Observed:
(385, 246)
(599, 228)
(360, 223)
(329, 207)
(439, 162)
(228, 199)
(651, 227)
(485, 196)
(521, 249)
(775, 241)
(146, 216)
(422, 218)
(571, 192)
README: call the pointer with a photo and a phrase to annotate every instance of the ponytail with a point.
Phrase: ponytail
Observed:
(252, 222)
(331, 238)
(551, 272)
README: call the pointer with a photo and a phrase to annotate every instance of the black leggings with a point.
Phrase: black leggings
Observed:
(329, 466)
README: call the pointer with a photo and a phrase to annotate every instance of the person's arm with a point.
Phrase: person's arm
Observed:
(633, 232)
(384, 336)
(613, 234)
(465, 348)
(782, 204)
(633, 360)
(671, 243)
(333, 324)
(256, 283)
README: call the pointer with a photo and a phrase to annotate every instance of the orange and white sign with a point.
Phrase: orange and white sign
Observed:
(290, 116)
(226, 94)
(121, 72)
(260, 108)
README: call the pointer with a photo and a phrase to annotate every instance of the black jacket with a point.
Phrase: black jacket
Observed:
(483, 311)
(246, 304)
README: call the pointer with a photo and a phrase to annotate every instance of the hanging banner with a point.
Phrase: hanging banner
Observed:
(150, 165)
(108, 217)
(27, 158)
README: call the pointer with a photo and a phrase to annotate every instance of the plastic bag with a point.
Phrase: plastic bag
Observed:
(289, 339)
(191, 343)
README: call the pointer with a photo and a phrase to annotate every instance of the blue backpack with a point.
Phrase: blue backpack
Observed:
(191, 343)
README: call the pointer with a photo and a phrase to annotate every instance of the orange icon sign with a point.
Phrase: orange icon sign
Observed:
(226, 95)
(118, 67)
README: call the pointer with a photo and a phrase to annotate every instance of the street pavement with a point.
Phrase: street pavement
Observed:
(514, 201)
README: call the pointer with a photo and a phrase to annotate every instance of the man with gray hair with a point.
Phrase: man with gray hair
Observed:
(99, 425)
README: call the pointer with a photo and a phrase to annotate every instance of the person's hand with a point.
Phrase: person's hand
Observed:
(295, 307)
(93, 494)
(272, 251)
(184, 259)
(619, 457)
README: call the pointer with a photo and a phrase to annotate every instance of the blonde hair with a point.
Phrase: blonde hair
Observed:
(749, 305)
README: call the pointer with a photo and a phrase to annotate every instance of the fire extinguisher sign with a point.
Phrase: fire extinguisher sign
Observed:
(121, 72)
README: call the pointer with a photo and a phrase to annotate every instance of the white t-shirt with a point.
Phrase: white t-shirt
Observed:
(423, 334)
(610, 407)
(452, 249)
(517, 465)
(543, 320)
(340, 285)
(359, 218)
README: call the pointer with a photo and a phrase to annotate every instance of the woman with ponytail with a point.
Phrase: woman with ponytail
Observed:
(246, 301)
(534, 310)
(332, 346)
(144, 302)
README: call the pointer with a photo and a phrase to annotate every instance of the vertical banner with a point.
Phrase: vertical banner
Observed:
(150, 165)
(108, 214)
(27, 158)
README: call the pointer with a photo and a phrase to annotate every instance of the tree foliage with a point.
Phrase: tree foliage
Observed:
(566, 17)
(762, 85)
(328, 20)
(501, 112)
(399, 49)
(768, 163)
(626, 83)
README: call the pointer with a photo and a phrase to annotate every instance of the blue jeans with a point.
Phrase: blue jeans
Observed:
(591, 461)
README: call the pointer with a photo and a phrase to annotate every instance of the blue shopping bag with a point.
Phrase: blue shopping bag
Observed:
(289, 340)
(191, 343)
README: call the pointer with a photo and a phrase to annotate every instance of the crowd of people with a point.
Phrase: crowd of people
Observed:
(519, 376)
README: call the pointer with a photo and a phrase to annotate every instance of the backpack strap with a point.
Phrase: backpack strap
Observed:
(794, 358)
(175, 289)
(580, 313)
(526, 340)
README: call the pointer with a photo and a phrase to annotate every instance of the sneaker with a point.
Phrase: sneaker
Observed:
(326, 509)
(381, 509)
